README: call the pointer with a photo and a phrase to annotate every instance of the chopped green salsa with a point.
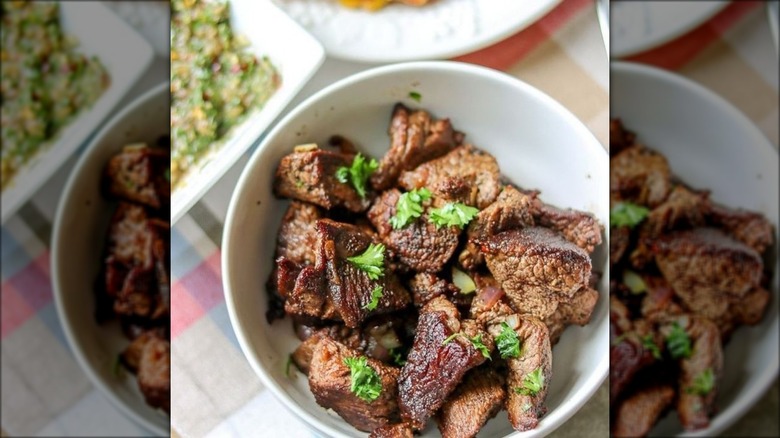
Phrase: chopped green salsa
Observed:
(45, 81)
(215, 81)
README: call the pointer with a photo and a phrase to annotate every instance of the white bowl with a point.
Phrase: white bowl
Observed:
(538, 144)
(296, 56)
(99, 32)
(710, 145)
(78, 242)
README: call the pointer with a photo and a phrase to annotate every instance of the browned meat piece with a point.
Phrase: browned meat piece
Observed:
(131, 357)
(750, 308)
(398, 430)
(627, 356)
(425, 287)
(578, 227)
(311, 176)
(434, 368)
(344, 145)
(524, 407)
(154, 373)
(476, 400)
(421, 245)
(619, 241)
(465, 174)
(619, 315)
(137, 174)
(694, 408)
(330, 382)
(536, 263)
(302, 355)
(658, 301)
(639, 175)
(334, 288)
(513, 209)
(704, 265)
(637, 415)
(297, 236)
(577, 310)
(414, 139)
(619, 137)
(750, 228)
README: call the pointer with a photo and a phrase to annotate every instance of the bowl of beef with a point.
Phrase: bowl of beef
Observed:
(109, 262)
(694, 193)
(399, 260)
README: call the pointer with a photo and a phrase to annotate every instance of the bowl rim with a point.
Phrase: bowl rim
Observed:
(57, 252)
(737, 409)
(593, 382)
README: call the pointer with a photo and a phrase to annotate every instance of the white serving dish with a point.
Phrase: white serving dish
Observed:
(78, 242)
(640, 26)
(538, 144)
(296, 56)
(441, 29)
(710, 145)
(99, 32)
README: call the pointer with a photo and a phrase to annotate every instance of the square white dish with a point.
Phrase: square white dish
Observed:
(99, 32)
(295, 54)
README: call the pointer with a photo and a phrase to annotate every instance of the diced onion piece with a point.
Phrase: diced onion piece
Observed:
(634, 282)
(489, 296)
(308, 147)
(389, 340)
(463, 281)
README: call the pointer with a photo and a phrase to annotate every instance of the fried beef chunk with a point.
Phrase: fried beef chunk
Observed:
(577, 310)
(436, 363)
(397, 430)
(638, 413)
(414, 139)
(330, 381)
(639, 175)
(335, 288)
(137, 174)
(578, 227)
(310, 176)
(465, 175)
(619, 137)
(154, 373)
(477, 399)
(297, 236)
(420, 244)
(351, 338)
(750, 228)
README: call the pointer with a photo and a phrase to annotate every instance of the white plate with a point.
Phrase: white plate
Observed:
(296, 56)
(538, 143)
(640, 26)
(99, 32)
(710, 145)
(78, 241)
(442, 29)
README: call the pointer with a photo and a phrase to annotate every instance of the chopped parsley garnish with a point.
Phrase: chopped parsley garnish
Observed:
(678, 343)
(453, 214)
(702, 383)
(358, 173)
(507, 342)
(398, 357)
(372, 261)
(287, 366)
(532, 383)
(376, 294)
(408, 207)
(627, 214)
(366, 383)
(649, 344)
(476, 341)
(415, 95)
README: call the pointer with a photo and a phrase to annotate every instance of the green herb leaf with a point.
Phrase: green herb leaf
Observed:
(634, 282)
(415, 95)
(287, 366)
(678, 343)
(649, 344)
(398, 357)
(366, 383)
(358, 173)
(532, 383)
(627, 214)
(376, 294)
(702, 383)
(477, 342)
(453, 214)
(372, 261)
(408, 207)
(451, 337)
(507, 342)
(117, 368)
(618, 340)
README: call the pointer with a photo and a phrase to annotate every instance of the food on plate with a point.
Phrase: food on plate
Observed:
(216, 81)
(424, 285)
(686, 272)
(134, 283)
(373, 5)
(46, 82)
